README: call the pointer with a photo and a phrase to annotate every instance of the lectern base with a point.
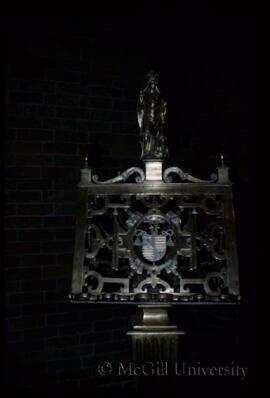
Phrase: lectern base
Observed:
(155, 339)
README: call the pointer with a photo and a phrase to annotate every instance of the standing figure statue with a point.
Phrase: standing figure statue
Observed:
(151, 112)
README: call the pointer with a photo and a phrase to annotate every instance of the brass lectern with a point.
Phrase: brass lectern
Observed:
(155, 238)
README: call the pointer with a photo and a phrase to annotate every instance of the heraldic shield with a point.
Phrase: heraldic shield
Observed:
(153, 247)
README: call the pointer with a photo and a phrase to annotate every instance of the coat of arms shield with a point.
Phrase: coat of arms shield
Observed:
(153, 247)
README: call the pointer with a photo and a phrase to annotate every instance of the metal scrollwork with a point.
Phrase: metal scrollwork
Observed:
(94, 210)
(214, 240)
(202, 203)
(184, 176)
(101, 280)
(153, 281)
(155, 202)
(123, 176)
(94, 243)
(218, 277)
(162, 247)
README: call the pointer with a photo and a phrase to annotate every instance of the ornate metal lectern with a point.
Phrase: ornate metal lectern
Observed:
(166, 238)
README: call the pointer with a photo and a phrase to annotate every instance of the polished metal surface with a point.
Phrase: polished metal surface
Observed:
(155, 338)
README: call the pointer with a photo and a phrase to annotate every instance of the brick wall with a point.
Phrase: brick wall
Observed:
(71, 89)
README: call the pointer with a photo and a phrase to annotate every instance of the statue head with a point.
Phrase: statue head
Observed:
(152, 79)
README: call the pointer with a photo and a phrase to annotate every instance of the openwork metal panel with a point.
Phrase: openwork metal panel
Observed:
(153, 235)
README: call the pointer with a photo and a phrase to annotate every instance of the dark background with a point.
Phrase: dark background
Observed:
(71, 88)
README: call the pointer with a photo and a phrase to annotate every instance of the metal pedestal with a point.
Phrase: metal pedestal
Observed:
(155, 339)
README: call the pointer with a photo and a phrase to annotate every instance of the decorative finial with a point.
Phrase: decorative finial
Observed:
(151, 112)
(223, 170)
(222, 162)
(86, 173)
(86, 161)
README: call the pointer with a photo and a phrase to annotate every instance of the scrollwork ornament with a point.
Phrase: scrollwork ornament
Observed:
(184, 176)
(123, 176)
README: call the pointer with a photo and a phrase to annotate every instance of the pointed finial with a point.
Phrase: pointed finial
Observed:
(86, 161)
(222, 157)
(223, 170)
(86, 176)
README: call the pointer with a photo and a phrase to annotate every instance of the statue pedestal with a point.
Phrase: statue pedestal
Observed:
(153, 170)
(155, 339)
